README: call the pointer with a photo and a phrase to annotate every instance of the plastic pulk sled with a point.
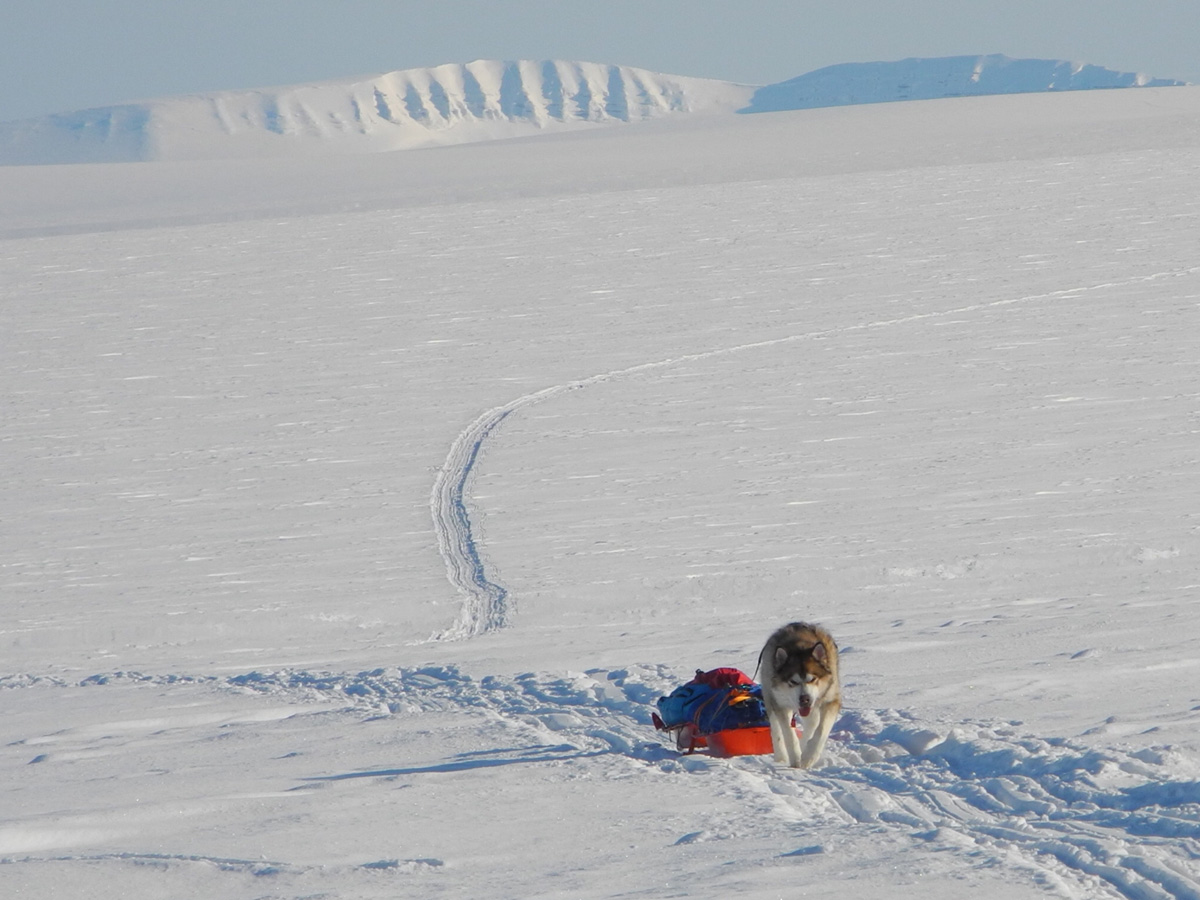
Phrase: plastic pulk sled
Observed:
(720, 712)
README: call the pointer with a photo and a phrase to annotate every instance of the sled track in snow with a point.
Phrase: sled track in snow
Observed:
(487, 605)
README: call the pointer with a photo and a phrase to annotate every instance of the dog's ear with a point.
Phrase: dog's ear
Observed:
(780, 657)
(820, 654)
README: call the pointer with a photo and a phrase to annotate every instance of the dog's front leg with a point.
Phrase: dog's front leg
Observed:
(811, 725)
(778, 743)
(783, 736)
(816, 731)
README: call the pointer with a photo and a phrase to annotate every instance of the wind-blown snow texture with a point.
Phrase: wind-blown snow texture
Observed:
(929, 79)
(347, 550)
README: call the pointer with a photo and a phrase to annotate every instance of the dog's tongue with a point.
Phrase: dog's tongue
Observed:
(805, 708)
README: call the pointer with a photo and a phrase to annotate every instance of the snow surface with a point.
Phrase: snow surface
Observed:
(356, 518)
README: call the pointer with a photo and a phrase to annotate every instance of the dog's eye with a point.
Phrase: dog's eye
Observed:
(796, 680)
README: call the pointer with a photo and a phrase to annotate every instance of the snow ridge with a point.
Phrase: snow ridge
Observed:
(950, 76)
(448, 104)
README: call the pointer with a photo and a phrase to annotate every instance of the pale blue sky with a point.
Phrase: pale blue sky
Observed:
(62, 55)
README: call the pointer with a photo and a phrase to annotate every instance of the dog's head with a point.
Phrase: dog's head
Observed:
(806, 669)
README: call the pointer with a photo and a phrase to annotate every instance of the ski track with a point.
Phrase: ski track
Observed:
(1081, 821)
(487, 604)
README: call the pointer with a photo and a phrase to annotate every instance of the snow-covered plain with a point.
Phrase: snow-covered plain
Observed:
(925, 373)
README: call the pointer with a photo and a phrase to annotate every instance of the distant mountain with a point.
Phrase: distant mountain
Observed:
(929, 79)
(449, 104)
(488, 100)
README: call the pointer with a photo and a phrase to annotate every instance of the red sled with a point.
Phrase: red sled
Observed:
(754, 741)
(725, 698)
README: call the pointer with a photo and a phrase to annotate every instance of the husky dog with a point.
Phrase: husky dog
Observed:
(799, 666)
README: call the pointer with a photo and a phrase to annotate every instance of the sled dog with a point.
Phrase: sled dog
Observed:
(799, 667)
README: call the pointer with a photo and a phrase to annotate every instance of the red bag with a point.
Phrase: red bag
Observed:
(724, 677)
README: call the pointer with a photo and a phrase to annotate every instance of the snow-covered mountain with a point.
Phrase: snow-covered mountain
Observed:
(949, 76)
(449, 104)
(488, 100)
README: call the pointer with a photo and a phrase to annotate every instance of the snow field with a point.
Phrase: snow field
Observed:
(947, 410)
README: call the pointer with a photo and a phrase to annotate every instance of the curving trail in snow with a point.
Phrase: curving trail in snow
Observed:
(487, 604)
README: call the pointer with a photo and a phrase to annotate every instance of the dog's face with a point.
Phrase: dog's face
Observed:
(806, 671)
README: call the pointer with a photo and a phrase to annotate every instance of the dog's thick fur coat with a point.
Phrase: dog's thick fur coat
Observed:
(799, 667)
